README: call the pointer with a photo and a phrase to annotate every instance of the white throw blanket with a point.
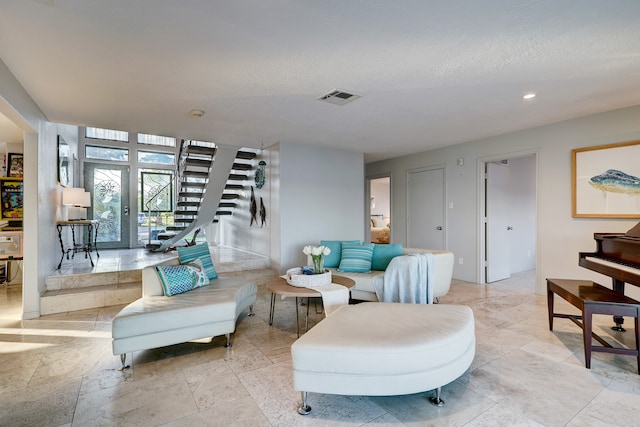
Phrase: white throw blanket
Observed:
(333, 297)
(407, 279)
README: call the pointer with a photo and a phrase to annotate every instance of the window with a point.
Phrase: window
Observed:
(106, 153)
(106, 134)
(156, 157)
(165, 141)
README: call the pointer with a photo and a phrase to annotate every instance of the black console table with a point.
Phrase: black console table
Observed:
(92, 236)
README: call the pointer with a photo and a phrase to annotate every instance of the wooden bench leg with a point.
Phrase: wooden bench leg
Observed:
(550, 307)
(637, 337)
(587, 316)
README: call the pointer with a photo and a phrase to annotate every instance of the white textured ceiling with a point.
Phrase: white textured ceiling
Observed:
(430, 73)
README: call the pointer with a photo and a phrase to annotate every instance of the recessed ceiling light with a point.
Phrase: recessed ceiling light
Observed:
(528, 96)
(196, 113)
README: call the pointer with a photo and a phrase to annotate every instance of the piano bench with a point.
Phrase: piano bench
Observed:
(592, 298)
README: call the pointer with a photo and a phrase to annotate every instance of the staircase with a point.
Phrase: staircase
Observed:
(209, 178)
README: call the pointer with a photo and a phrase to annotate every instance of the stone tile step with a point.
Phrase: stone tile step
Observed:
(85, 280)
(63, 300)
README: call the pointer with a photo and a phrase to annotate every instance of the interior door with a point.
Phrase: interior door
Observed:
(109, 188)
(425, 209)
(498, 260)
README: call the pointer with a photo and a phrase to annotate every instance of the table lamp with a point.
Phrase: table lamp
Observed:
(78, 200)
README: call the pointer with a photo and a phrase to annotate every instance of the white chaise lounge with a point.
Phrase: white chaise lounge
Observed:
(157, 321)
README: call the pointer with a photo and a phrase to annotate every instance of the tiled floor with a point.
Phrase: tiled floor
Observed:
(58, 370)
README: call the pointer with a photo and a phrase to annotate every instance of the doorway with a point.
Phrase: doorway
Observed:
(425, 208)
(380, 210)
(109, 188)
(508, 217)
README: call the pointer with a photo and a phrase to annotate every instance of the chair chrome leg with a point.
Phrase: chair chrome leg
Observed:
(304, 409)
(228, 344)
(436, 399)
(123, 360)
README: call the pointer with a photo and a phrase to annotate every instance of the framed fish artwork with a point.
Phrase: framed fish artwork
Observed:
(606, 181)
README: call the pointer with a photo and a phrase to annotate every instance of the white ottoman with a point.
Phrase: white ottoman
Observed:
(384, 349)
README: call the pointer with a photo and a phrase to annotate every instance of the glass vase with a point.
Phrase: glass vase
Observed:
(318, 264)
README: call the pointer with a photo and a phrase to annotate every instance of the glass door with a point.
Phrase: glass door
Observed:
(109, 188)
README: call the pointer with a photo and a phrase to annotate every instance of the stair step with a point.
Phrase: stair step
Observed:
(229, 196)
(166, 236)
(226, 205)
(224, 213)
(242, 166)
(196, 174)
(183, 220)
(191, 194)
(192, 184)
(72, 299)
(175, 228)
(238, 177)
(189, 212)
(246, 155)
(185, 203)
(234, 187)
(199, 149)
(197, 162)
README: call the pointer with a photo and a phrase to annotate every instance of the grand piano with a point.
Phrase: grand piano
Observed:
(617, 256)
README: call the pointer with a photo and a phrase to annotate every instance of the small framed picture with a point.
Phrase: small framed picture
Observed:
(16, 165)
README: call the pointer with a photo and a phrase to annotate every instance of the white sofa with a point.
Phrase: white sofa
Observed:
(443, 265)
(156, 321)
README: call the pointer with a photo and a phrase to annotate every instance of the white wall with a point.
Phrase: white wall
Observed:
(41, 189)
(559, 236)
(321, 197)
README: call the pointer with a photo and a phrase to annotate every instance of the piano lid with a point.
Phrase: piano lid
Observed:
(634, 232)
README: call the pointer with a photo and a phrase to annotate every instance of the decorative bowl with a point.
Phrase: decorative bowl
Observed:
(295, 278)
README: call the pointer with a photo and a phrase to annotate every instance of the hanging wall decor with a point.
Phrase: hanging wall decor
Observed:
(263, 214)
(259, 178)
(253, 209)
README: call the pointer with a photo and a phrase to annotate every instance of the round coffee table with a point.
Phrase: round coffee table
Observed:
(279, 286)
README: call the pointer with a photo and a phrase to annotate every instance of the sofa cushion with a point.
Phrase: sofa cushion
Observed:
(333, 259)
(189, 253)
(383, 254)
(161, 314)
(177, 279)
(356, 257)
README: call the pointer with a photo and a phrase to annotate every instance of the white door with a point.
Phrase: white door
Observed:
(498, 262)
(425, 209)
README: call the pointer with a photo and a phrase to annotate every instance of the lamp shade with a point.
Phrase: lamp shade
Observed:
(72, 196)
(86, 199)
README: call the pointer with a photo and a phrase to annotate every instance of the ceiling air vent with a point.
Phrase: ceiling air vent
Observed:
(338, 97)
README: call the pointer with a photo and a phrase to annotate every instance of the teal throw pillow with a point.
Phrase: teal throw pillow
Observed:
(177, 279)
(383, 254)
(356, 258)
(201, 251)
(333, 259)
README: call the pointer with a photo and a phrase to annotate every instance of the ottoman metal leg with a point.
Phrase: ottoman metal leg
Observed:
(304, 409)
(436, 400)
(123, 360)
(228, 344)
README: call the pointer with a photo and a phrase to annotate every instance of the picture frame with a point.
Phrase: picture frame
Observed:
(16, 165)
(606, 181)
